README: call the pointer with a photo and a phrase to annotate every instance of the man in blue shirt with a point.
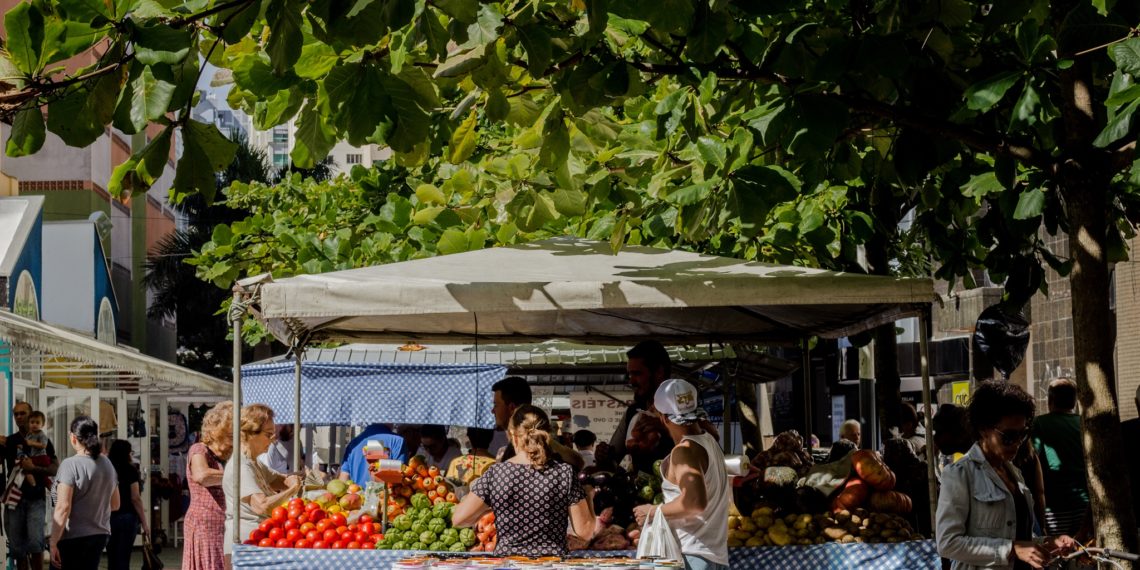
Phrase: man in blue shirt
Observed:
(355, 467)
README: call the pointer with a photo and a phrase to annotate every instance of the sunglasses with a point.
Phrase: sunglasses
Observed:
(1013, 437)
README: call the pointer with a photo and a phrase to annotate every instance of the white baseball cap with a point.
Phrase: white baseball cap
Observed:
(676, 397)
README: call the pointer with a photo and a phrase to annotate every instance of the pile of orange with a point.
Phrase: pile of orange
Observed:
(419, 478)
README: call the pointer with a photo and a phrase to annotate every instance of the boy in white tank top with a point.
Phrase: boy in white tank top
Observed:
(695, 481)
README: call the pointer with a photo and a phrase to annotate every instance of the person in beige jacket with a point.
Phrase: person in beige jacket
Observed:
(985, 510)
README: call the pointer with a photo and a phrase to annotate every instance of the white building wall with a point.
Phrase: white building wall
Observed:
(69, 275)
(55, 161)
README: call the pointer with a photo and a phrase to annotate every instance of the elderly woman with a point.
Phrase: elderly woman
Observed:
(207, 512)
(261, 487)
(985, 510)
(531, 494)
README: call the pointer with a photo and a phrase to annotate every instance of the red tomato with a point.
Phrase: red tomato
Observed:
(359, 536)
(311, 507)
(279, 514)
(283, 544)
(250, 542)
(368, 546)
(266, 525)
(301, 544)
(304, 518)
(338, 545)
(257, 535)
(320, 545)
(353, 545)
(338, 520)
(290, 524)
(365, 519)
(317, 515)
(323, 525)
(341, 529)
(292, 535)
(306, 527)
(376, 538)
(313, 536)
(366, 528)
(295, 512)
(265, 543)
(276, 534)
(296, 503)
(330, 535)
(354, 527)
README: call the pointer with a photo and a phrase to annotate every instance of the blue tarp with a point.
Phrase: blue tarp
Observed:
(360, 394)
(915, 555)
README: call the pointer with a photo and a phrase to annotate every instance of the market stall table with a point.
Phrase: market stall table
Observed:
(914, 555)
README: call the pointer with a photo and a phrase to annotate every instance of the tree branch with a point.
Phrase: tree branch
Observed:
(191, 18)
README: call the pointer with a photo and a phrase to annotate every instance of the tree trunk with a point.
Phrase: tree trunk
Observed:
(1108, 484)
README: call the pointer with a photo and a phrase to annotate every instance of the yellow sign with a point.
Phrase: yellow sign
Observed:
(960, 391)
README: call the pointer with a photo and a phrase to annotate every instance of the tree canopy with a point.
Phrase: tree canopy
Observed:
(795, 131)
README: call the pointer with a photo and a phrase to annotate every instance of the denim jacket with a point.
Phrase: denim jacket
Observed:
(977, 520)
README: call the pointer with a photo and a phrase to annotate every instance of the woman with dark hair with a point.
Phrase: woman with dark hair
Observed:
(985, 510)
(126, 519)
(85, 496)
(531, 494)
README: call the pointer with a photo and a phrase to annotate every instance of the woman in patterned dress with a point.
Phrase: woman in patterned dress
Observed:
(207, 513)
(531, 494)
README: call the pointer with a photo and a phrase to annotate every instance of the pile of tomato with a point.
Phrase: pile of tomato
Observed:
(301, 524)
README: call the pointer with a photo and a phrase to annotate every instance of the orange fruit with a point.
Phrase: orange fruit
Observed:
(433, 471)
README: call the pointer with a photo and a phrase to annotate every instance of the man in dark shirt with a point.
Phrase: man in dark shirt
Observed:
(647, 365)
(24, 524)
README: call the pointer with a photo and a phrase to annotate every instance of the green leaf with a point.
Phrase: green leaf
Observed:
(237, 21)
(427, 215)
(278, 110)
(80, 116)
(27, 134)
(152, 159)
(982, 185)
(497, 105)
(713, 151)
(452, 241)
(285, 37)
(123, 178)
(1118, 126)
(358, 6)
(412, 125)
(463, 10)
(1123, 97)
(555, 141)
(569, 202)
(314, 137)
(536, 42)
(429, 194)
(1030, 204)
(1025, 111)
(461, 63)
(316, 59)
(24, 24)
(983, 95)
(598, 14)
(709, 32)
(161, 43)
(205, 152)
(84, 11)
(463, 140)
(150, 98)
(692, 194)
(1127, 56)
(486, 27)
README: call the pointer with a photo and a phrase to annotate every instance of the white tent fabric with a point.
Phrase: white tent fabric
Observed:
(108, 366)
(581, 291)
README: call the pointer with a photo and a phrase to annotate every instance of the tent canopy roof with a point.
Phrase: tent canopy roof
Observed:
(581, 291)
(41, 348)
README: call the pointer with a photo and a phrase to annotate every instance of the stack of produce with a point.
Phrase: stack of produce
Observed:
(426, 526)
(419, 478)
(649, 486)
(485, 534)
(765, 528)
(307, 524)
(871, 484)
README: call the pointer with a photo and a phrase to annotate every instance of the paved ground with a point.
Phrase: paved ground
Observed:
(172, 557)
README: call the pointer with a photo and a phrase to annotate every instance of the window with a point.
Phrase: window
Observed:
(280, 159)
(280, 136)
(353, 158)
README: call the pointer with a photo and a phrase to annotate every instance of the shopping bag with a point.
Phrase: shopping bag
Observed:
(151, 561)
(658, 540)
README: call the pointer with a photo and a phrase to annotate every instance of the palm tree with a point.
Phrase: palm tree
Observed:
(178, 293)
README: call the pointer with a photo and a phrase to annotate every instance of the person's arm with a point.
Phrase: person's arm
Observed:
(582, 519)
(468, 511)
(685, 469)
(60, 515)
(136, 501)
(116, 500)
(263, 504)
(48, 470)
(201, 472)
(36, 443)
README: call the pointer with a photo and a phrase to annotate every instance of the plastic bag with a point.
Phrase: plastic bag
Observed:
(1002, 335)
(658, 540)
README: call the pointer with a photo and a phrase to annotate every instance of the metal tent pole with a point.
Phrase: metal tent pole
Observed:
(807, 393)
(924, 359)
(236, 316)
(298, 461)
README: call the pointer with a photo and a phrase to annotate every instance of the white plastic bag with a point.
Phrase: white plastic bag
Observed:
(658, 540)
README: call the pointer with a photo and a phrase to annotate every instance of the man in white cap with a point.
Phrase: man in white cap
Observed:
(695, 480)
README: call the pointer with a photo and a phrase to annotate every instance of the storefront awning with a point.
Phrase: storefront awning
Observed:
(36, 348)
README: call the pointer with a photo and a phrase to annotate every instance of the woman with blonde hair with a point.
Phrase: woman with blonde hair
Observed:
(262, 489)
(207, 512)
(531, 494)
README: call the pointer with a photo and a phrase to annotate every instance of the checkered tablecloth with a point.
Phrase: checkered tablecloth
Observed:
(915, 555)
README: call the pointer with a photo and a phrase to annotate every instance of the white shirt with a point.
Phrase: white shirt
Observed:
(279, 457)
(705, 535)
(452, 452)
(587, 456)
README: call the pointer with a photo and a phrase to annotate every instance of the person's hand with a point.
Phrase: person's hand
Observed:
(642, 512)
(1061, 545)
(1033, 554)
(293, 481)
(26, 464)
(55, 560)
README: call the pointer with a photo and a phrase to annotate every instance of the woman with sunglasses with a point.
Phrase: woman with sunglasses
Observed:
(985, 510)
(262, 489)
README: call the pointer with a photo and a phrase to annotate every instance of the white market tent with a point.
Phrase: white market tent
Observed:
(580, 291)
